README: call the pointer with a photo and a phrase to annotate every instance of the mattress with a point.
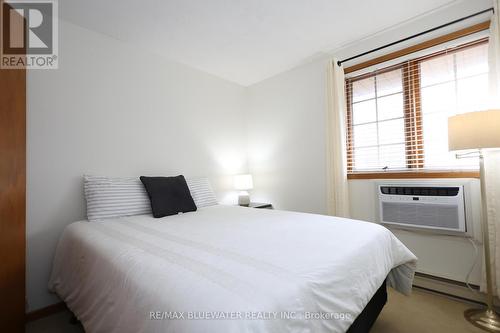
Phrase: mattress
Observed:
(226, 269)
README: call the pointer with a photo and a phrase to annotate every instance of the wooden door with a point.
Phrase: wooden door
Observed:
(12, 199)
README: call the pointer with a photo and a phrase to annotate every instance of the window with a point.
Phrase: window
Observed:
(376, 120)
(397, 117)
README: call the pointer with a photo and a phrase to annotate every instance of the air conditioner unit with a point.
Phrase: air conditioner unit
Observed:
(439, 209)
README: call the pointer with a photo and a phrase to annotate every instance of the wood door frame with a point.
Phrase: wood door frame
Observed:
(12, 199)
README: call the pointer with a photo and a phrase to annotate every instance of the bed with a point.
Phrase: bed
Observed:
(229, 269)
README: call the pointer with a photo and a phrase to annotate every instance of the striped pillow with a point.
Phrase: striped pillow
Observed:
(201, 191)
(114, 197)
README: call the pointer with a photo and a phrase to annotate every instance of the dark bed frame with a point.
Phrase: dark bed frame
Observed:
(367, 317)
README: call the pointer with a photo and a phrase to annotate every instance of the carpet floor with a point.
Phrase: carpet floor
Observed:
(423, 312)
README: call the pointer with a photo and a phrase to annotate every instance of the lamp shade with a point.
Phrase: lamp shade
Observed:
(243, 182)
(474, 130)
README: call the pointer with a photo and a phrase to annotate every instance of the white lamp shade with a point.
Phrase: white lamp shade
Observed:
(243, 182)
(474, 130)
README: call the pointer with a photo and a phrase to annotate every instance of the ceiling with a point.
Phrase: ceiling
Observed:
(244, 41)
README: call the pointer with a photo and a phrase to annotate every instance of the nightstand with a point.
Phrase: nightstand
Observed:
(259, 205)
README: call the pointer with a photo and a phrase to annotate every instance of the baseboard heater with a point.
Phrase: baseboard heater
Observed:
(439, 209)
(447, 287)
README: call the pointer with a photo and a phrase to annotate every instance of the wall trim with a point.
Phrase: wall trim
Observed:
(45, 312)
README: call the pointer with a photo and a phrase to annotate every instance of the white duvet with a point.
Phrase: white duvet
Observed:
(226, 269)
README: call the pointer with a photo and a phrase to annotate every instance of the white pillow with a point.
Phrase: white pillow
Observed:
(202, 192)
(114, 197)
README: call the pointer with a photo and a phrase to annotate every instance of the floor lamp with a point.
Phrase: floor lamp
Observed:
(478, 131)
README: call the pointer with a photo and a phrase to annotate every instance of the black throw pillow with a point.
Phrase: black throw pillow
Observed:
(168, 195)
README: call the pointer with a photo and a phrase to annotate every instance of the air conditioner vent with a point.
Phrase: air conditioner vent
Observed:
(446, 216)
(423, 191)
(438, 208)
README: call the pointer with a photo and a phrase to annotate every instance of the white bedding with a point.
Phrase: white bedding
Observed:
(236, 269)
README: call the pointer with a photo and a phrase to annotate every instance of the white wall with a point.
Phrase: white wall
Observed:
(286, 147)
(286, 139)
(112, 110)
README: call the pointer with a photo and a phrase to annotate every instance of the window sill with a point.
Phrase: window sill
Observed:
(413, 174)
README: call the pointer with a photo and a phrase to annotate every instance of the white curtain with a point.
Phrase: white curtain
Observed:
(336, 154)
(492, 173)
(492, 158)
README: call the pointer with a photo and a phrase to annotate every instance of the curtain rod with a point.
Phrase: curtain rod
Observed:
(416, 35)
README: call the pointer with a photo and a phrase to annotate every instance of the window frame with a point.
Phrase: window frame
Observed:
(411, 94)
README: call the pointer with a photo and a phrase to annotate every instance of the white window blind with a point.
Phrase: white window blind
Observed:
(397, 116)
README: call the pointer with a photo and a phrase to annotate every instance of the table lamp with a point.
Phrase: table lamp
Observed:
(243, 183)
(477, 131)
